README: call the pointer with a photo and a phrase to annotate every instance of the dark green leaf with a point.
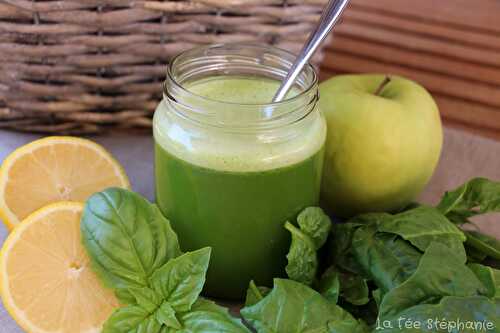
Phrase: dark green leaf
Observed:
(484, 244)
(316, 224)
(131, 319)
(423, 225)
(294, 307)
(126, 238)
(207, 317)
(255, 294)
(329, 285)
(302, 258)
(352, 288)
(385, 258)
(490, 278)
(377, 297)
(166, 315)
(441, 272)
(477, 196)
(450, 310)
(340, 247)
(181, 280)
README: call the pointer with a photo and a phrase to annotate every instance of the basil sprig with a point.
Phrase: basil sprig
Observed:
(134, 250)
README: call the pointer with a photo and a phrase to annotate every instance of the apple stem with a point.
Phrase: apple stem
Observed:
(382, 85)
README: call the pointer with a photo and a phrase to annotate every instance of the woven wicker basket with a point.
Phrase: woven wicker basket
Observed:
(92, 66)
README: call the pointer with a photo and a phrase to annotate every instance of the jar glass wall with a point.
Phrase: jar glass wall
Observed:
(231, 167)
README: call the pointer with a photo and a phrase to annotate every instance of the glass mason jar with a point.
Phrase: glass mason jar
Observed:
(231, 167)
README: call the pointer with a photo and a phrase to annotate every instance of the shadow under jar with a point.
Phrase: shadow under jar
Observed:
(231, 166)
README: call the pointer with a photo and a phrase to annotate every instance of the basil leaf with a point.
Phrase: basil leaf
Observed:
(329, 285)
(126, 238)
(302, 258)
(294, 307)
(181, 280)
(477, 196)
(385, 258)
(207, 317)
(423, 225)
(489, 277)
(316, 224)
(131, 319)
(146, 298)
(441, 272)
(166, 315)
(451, 311)
(484, 244)
(255, 294)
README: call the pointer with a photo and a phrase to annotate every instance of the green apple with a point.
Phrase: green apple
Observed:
(383, 144)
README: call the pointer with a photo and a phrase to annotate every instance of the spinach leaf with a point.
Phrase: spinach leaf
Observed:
(126, 238)
(451, 310)
(423, 225)
(339, 247)
(385, 258)
(477, 196)
(181, 280)
(316, 224)
(329, 285)
(441, 272)
(294, 307)
(255, 294)
(352, 288)
(207, 317)
(484, 244)
(490, 278)
(302, 258)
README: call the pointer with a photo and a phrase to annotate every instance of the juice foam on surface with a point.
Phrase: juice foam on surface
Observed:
(221, 150)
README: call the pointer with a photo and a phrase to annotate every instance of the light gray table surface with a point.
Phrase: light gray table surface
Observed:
(464, 156)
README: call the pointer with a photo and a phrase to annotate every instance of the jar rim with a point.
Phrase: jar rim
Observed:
(313, 82)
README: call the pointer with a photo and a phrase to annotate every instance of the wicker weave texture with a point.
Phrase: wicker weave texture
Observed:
(93, 66)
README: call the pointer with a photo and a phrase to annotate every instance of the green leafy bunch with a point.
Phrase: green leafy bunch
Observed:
(134, 251)
(417, 264)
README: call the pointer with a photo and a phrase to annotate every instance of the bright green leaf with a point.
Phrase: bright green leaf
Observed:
(490, 278)
(181, 280)
(255, 294)
(316, 224)
(207, 317)
(483, 244)
(423, 225)
(441, 272)
(386, 258)
(166, 315)
(146, 298)
(477, 196)
(294, 307)
(126, 238)
(131, 319)
(302, 258)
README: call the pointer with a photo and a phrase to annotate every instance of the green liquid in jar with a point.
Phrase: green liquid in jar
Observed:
(237, 210)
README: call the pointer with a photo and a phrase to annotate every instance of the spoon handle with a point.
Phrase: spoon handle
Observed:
(328, 19)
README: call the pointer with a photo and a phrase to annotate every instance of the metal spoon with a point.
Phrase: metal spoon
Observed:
(328, 19)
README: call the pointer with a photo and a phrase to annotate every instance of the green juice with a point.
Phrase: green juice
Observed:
(237, 210)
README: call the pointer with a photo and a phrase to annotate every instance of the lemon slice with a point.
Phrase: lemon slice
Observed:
(54, 169)
(46, 282)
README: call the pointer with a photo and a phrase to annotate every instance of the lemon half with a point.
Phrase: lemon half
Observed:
(54, 169)
(47, 285)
